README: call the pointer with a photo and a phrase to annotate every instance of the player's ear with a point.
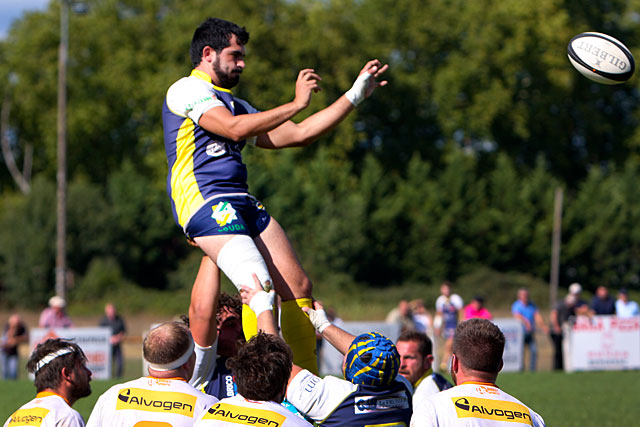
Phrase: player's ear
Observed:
(208, 54)
(501, 365)
(428, 361)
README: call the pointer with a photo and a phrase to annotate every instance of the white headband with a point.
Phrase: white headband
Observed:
(176, 363)
(49, 357)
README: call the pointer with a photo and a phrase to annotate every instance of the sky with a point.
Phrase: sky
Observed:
(13, 9)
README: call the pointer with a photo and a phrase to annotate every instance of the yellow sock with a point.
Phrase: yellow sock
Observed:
(249, 322)
(299, 333)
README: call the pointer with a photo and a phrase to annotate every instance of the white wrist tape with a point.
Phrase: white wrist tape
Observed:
(357, 92)
(319, 320)
(262, 301)
(239, 258)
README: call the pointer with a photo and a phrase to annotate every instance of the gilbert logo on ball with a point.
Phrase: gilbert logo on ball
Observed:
(601, 58)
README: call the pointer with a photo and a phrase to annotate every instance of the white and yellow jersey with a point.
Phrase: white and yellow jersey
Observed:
(150, 402)
(46, 410)
(473, 404)
(238, 410)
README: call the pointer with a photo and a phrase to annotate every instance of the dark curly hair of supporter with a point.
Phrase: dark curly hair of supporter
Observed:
(48, 376)
(262, 367)
(216, 33)
(479, 345)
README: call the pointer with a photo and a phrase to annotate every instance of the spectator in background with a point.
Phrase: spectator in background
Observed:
(476, 309)
(115, 322)
(15, 333)
(559, 315)
(527, 313)
(61, 378)
(602, 303)
(402, 315)
(625, 307)
(448, 306)
(581, 308)
(416, 356)
(55, 316)
(421, 317)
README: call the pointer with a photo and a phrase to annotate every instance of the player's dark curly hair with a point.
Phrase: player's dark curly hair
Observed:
(232, 303)
(49, 376)
(425, 346)
(479, 344)
(262, 367)
(216, 33)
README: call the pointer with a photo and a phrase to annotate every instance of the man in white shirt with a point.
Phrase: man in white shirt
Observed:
(164, 397)
(475, 400)
(625, 307)
(61, 378)
(416, 357)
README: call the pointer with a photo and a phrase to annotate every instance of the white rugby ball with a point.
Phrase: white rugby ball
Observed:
(601, 58)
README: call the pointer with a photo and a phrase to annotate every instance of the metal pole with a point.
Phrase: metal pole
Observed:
(61, 226)
(555, 249)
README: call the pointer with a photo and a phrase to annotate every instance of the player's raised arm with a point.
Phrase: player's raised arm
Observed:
(221, 121)
(291, 134)
(204, 303)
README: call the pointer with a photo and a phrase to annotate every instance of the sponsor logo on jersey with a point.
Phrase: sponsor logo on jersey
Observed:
(229, 386)
(223, 213)
(495, 410)
(200, 101)
(215, 149)
(367, 404)
(28, 417)
(156, 401)
(246, 416)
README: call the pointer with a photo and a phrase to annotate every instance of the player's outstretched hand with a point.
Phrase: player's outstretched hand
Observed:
(306, 84)
(256, 298)
(317, 316)
(367, 82)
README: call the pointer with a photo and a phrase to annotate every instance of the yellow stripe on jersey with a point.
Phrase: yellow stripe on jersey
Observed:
(28, 417)
(488, 409)
(184, 187)
(169, 402)
(246, 416)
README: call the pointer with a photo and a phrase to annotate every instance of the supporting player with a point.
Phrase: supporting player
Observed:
(372, 393)
(478, 345)
(416, 357)
(261, 386)
(205, 129)
(61, 378)
(215, 324)
(164, 398)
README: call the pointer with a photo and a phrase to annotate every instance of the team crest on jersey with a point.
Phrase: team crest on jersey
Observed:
(223, 213)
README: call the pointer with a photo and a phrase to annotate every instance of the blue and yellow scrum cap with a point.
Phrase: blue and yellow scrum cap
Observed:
(372, 359)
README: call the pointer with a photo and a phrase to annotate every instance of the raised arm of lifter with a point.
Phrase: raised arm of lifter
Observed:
(220, 121)
(291, 134)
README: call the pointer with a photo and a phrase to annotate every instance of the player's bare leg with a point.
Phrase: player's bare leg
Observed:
(294, 287)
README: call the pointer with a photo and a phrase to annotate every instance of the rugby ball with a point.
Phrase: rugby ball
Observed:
(601, 58)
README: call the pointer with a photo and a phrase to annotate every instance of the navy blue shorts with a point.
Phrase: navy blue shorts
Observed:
(239, 214)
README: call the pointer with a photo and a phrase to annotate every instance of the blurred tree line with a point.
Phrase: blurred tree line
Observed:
(448, 170)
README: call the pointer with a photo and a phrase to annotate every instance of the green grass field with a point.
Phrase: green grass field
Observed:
(580, 399)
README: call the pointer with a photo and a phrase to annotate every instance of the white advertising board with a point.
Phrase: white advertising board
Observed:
(514, 346)
(94, 342)
(602, 343)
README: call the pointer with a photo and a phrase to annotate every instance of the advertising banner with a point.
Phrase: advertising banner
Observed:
(602, 343)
